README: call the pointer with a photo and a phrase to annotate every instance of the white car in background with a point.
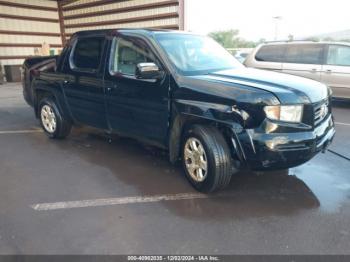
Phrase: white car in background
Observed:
(327, 62)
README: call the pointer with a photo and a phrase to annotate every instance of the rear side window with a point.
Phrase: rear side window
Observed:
(305, 54)
(270, 53)
(87, 53)
(338, 55)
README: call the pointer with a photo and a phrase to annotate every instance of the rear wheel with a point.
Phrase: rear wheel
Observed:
(206, 159)
(52, 120)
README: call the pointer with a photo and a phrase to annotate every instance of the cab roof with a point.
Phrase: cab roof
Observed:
(142, 31)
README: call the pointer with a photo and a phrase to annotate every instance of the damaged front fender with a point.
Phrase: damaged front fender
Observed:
(187, 113)
(211, 111)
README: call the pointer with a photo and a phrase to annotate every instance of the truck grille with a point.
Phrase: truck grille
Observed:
(321, 111)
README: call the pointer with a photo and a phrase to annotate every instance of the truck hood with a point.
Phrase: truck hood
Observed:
(287, 88)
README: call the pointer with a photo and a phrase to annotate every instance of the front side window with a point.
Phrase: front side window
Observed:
(127, 54)
(270, 53)
(338, 55)
(305, 54)
(87, 53)
(193, 54)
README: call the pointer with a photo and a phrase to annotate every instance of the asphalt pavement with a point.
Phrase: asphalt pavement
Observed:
(90, 194)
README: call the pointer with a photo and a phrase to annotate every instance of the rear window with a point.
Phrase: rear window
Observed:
(270, 53)
(305, 54)
(87, 53)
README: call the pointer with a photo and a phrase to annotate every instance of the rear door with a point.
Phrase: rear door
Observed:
(83, 85)
(304, 60)
(336, 71)
(136, 107)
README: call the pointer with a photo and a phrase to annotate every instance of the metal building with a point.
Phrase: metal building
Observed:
(25, 25)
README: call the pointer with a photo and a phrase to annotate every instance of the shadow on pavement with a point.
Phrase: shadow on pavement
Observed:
(147, 169)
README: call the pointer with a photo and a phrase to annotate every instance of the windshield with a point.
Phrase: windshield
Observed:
(192, 54)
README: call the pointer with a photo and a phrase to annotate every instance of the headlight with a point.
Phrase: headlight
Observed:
(285, 113)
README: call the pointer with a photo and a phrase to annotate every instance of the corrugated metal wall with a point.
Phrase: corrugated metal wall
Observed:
(97, 14)
(24, 26)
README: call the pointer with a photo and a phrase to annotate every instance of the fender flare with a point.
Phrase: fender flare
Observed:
(56, 94)
(189, 113)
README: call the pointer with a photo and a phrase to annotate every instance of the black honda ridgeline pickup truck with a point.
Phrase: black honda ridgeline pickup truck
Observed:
(184, 93)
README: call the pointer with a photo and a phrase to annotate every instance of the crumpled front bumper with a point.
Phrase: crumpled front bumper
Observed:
(268, 151)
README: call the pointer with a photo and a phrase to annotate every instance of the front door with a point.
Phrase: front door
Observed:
(336, 71)
(136, 107)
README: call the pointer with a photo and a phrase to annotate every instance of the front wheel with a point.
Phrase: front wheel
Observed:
(206, 159)
(52, 120)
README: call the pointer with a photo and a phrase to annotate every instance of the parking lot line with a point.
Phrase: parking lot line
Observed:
(116, 201)
(8, 132)
(342, 124)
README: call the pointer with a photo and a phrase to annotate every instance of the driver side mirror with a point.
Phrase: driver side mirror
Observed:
(148, 71)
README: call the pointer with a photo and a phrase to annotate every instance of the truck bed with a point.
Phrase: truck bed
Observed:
(33, 66)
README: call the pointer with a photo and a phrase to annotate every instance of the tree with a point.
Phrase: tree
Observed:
(231, 39)
(328, 39)
(227, 39)
(313, 39)
(262, 41)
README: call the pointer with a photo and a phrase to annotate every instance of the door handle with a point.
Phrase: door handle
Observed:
(111, 88)
(65, 82)
(329, 71)
(313, 70)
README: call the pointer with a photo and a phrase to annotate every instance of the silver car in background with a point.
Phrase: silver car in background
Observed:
(326, 62)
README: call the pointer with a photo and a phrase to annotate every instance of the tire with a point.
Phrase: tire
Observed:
(216, 156)
(54, 124)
